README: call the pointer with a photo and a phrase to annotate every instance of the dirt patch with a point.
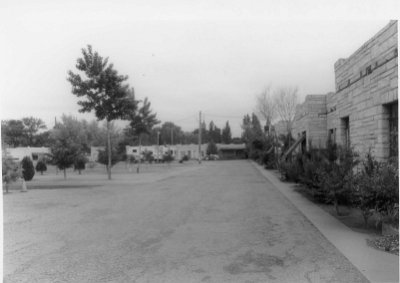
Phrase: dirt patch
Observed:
(351, 217)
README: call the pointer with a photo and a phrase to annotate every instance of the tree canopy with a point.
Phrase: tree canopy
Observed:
(226, 134)
(103, 91)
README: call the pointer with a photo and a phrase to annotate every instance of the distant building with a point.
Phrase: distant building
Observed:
(231, 151)
(226, 151)
(310, 120)
(177, 151)
(34, 153)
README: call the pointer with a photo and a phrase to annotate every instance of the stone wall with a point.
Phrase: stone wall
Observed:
(366, 83)
(311, 118)
(358, 113)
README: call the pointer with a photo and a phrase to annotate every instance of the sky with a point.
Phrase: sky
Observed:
(185, 56)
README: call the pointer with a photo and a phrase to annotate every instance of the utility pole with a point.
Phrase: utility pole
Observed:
(158, 146)
(200, 137)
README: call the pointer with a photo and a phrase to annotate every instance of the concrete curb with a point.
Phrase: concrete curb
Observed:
(375, 265)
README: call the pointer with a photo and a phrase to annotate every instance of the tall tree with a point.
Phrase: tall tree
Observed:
(32, 126)
(142, 122)
(256, 126)
(226, 134)
(13, 133)
(170, 133)
(214, 133)
(104, 90)
(68, 138)
(246, 129)
(285, 103)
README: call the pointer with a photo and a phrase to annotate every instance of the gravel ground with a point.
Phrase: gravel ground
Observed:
(214, 222)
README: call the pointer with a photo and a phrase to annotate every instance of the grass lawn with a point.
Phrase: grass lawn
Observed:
(96, 176)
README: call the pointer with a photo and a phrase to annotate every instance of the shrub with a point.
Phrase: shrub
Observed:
(41, 166)
(168, 158)
(338, 177)
(377, 190)
(28, 171)
(80, 163)
(269, 159)
(184, 158)
(313, 179)
(103, 157)
(211, 148)
(10, 172)
(148, 156)
(291, 170)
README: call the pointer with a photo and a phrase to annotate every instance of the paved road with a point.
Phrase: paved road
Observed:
(217, 222)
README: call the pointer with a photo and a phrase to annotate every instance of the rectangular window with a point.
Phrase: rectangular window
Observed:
(345, 123)
(369, 70)
(332, 135)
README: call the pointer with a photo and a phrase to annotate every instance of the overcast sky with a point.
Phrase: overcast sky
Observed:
(209, 56)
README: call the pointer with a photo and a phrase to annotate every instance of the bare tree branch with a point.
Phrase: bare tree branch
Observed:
(285, 99)
(265, 105)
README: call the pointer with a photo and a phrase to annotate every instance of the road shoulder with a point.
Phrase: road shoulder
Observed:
(375, 265)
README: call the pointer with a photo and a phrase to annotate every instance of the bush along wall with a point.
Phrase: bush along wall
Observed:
(332, 176)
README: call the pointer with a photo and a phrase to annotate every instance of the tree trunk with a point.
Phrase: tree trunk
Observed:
(6, 185)
(140, 153)
(109, 150)
(336, 204)
(365, 215)
(65, 173)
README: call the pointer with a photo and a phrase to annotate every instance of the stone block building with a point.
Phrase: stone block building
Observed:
(310, 120)
(363, 111)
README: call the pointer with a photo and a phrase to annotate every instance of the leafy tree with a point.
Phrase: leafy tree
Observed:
(42, 139)
(214, 133)
(104, 91)
(190, 137)
(41, 166)
(10, 171)
(211, 148)
(246, 129)
(68, 139)
(79, 163)
(142, 122)
(257, 131)
(338, 177)
(226, 134)
(32, 126)
(376, 190)
(170, 133)
(168, 158)
(95, 135)
(28, 171)
(13, 133)
(103, 158)
(253, 136)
